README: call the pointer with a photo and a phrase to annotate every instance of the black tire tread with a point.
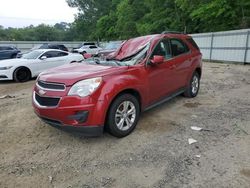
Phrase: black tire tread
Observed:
(16, 71)
(188, 93)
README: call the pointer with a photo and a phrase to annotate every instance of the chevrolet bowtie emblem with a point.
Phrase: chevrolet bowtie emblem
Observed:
(41, 92)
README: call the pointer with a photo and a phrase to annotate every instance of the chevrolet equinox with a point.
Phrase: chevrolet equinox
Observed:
(111, 93)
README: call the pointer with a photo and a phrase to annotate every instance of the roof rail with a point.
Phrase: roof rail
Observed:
(172, 32)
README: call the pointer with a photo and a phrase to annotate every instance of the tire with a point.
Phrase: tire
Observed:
(120, 122)
(22, 74)
(193, 86)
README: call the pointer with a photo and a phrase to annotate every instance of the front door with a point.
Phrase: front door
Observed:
(53, 59)
(160, 76)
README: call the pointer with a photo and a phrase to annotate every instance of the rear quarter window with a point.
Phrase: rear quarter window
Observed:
(193, 43)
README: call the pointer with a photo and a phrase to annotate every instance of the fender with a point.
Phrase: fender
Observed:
(114, 85)
(196, 64)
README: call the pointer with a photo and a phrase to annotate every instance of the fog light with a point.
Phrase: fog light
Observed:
(80, 116)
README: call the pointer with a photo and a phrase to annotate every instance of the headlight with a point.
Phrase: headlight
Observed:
(38, 77)
(85, 87)
(6, 68)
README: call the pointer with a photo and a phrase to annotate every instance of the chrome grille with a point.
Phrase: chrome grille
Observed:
(50, 86)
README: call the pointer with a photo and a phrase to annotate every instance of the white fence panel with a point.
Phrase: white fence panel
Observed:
(231, 46)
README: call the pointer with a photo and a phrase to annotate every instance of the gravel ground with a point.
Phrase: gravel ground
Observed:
(156, 154)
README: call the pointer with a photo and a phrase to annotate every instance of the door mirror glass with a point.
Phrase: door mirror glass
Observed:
(157, 59)
(43, 57)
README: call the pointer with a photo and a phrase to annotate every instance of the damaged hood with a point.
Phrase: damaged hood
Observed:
(131, 47)
(72, 73)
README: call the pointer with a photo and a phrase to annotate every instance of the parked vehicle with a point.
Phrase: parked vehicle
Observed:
(143, 73)
(33, 63)
(87, 44)
(8, 52)
(109, 48)
(93, 49)
(84, 44)
(51, 46)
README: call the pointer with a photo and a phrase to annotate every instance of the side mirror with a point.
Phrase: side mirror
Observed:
(43, 57)
(157, 59)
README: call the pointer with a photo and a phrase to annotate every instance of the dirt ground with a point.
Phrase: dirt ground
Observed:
(156, 154)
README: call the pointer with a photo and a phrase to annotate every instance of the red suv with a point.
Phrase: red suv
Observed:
(111, 94)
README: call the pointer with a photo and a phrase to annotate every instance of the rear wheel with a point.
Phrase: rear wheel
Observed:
(193, 87)
(21, 74)
(123, 115)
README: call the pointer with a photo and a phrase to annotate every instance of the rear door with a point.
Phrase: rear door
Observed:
(181, 62)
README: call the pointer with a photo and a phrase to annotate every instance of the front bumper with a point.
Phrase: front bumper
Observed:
(85, 130)
(73, 113)
(6, 74)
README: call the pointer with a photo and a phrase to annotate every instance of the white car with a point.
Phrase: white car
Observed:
(92, 49)
(33, 63)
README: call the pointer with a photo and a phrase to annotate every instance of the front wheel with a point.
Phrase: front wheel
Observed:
(21, 74)
(193, 86)
(123, 115)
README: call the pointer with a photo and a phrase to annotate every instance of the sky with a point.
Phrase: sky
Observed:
(22, 13)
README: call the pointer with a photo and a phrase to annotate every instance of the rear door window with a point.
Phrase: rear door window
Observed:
(52, 54)
(62, 54)
(178, 47)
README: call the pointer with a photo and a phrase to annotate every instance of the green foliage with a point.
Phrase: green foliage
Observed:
(123, 19)
(59, 32)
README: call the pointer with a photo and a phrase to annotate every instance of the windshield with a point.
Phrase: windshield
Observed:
(98, 61)
(128, 61)
(32, 55)
(136, 58)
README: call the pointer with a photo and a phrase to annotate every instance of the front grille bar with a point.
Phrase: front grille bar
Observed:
(45, 102)
(50, 86)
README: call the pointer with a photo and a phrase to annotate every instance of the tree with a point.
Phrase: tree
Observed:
(90, 11)
(123, 19)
